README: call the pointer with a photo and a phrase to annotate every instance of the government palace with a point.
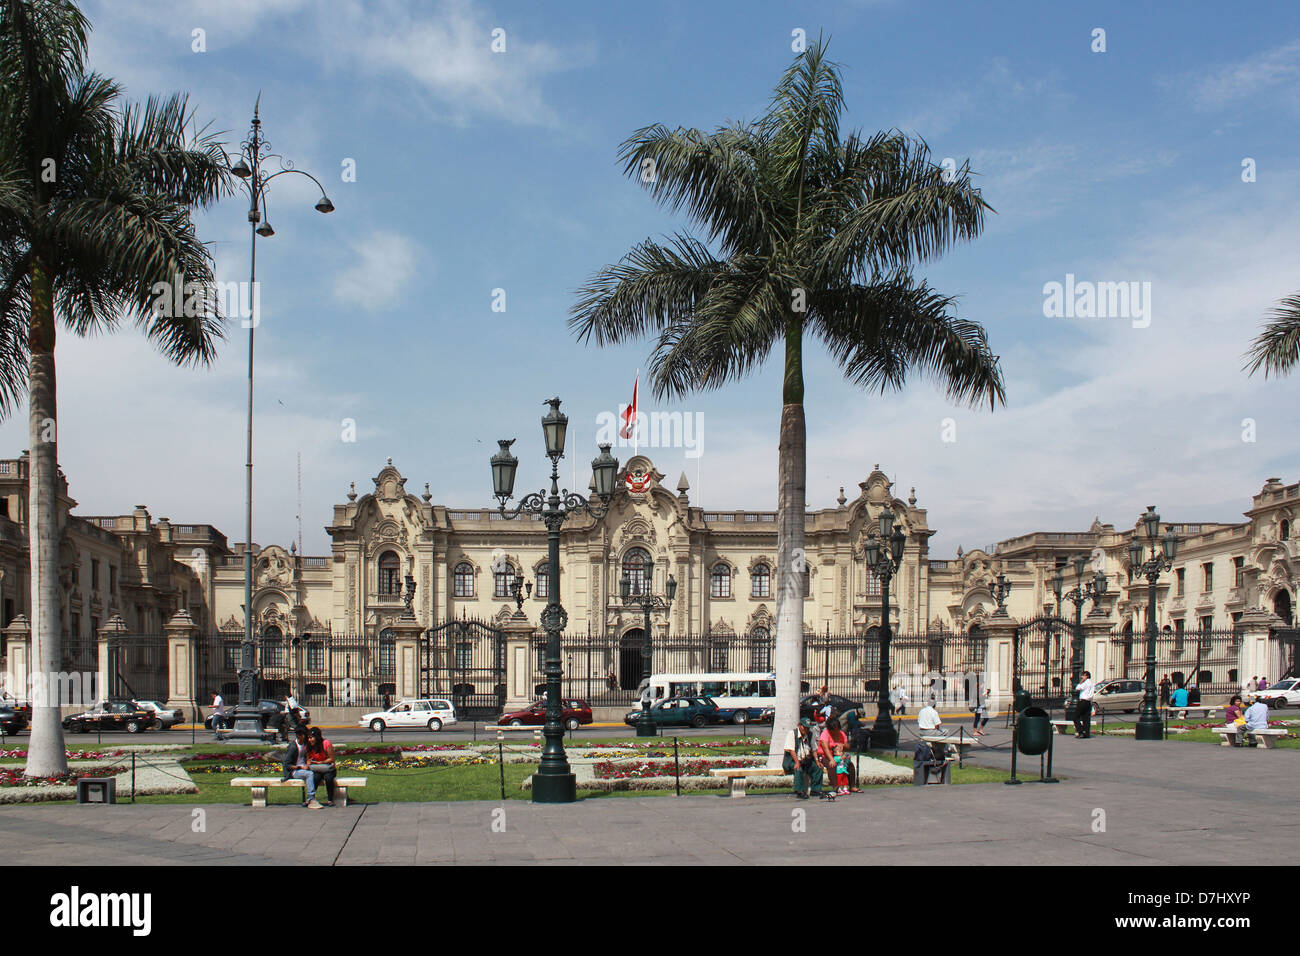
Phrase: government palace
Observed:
(136, 572)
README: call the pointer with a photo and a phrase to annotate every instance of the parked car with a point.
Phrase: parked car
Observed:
(111, 715)
(427, 713)
(1285, 693)
(13, 718)
(272, 712)
(683, 711)
(1117, 695)
(573, 714)
(808, 705)
(164, 719)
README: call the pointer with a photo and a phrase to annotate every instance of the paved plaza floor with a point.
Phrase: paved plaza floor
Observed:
(1119, 802)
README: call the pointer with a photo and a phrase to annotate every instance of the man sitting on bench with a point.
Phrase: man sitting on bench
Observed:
(1256, 719)
(295, 764)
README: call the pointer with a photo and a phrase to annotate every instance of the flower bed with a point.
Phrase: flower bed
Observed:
(345, 763)
(621, 770)
(70, 754)
(13, 776)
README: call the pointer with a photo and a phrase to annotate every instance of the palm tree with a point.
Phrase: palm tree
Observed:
(1277, 347)
(94, 211)
(816, 234)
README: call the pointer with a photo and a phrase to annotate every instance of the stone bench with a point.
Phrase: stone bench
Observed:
(737, 776)
(1235, 736)
(534, 729)
(1202, 710)
(1058, 726)
(259, 786)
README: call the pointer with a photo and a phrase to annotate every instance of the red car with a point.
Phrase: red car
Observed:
(575, 713)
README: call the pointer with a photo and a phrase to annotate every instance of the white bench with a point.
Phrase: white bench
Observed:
(1234, 736)
(1058, 726)
(536, 731)
(738, 775)
(1202, 710)
(259, 786)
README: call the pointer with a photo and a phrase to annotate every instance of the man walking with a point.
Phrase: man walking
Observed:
(218, 711)
(1083, 709)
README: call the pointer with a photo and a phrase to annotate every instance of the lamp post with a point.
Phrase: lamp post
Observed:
(1148, 724)
(642, 597)
(883, 553)
(254, 152)
(553, 782)
(1092, 591)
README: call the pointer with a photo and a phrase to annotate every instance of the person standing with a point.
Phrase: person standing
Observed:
(1165, 686)
(903, 699)
(982, 713)
(1083, 709)
(218, 710)
(1252, 685)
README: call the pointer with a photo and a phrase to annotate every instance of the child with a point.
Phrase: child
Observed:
(841, 776)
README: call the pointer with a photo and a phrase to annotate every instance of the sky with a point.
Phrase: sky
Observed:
(1161, 153)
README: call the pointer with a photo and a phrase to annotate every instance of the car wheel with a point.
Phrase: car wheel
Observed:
(573, 723)
(133, 726)
(78, 728)
(377, 726)
(157, 724)
(741, 717)
(516, 722)
(698, 720)
(435, 724)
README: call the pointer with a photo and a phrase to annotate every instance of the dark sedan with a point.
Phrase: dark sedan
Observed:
(111, 715)
(13, 718)
(684, 711)
(811, 704)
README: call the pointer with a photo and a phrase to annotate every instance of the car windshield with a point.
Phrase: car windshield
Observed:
(1284, 684)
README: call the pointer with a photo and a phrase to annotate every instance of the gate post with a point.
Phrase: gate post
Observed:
(1096, 639)
(115, 627)
(1260, 653)
(999, 657)
(18, 638)
(518, 634)
(181, 631)
(406, 647)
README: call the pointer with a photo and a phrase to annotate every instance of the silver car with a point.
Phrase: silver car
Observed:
(1117, 695)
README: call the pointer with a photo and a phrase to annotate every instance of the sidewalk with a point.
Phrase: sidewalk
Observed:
(1163, 802)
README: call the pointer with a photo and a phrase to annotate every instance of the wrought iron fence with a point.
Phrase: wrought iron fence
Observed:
(465, 660)
(321, 669)
(1206, 658)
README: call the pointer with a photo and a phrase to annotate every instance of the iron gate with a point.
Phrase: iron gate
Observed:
(1044, 649)
(465, 660)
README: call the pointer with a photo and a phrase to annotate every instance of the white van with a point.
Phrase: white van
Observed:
(748, 693)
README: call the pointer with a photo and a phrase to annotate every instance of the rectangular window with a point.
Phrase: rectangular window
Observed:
(76, 625)
(1181, 575)
(807, 583)
(1207, 571)
(94, 574)
(1239, 572)
(229, 656)
(464, 653)
(315, 656)
(713, 688)
(1207, 623)
(387, 658)
(112, 579)
(542, 585)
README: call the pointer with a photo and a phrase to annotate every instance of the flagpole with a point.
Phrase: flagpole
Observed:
(636, 412)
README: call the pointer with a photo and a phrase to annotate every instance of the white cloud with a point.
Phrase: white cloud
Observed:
(384, 264)
(1260, 73)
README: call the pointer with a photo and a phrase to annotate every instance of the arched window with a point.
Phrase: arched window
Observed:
(463, 580)
(635, 562)
(720, 580)
(760, 650)
(390, 574)
(272, 646)
(387, 652)
(505, 581)
(760, 585)
(1284, 531)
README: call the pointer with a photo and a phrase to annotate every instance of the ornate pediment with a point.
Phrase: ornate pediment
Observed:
(639, 475)
(722, 629)
(274, 568)
(389, 483)
(232, 626)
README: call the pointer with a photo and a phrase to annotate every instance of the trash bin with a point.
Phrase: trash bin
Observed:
(1022, 700)
(1033, 731)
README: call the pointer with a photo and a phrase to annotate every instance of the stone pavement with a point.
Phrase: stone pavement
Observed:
(1164, 803)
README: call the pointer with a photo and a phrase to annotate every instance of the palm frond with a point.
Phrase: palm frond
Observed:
(1276, 349)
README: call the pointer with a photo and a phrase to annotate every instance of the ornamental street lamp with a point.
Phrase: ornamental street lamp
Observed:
(645, 726)
(883, 554)
(554, 782)
(1148, 724)
(1092, 591)
(248, 167)
(1001, 588)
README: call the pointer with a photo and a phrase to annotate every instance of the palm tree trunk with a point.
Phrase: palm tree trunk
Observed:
(792, 467)
(46, 755)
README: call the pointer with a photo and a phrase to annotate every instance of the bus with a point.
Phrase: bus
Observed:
(750, 694)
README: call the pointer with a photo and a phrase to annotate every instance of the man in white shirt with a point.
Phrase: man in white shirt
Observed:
(928, 720)
(218, 711)
(1083, 709)
(1256, 719)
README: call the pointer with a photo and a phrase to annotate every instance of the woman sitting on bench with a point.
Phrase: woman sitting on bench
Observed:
(320, 761)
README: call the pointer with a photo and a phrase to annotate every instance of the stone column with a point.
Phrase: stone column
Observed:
(518, 640)
(999, 659)
(1096, 645)
(115, 627)
(1259, 654)
(18, 638)
(406, 634)
(181, 633)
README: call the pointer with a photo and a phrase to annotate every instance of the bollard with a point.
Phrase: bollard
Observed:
(677, 769)
(133, 776)
(502, 761)
(1014, 721)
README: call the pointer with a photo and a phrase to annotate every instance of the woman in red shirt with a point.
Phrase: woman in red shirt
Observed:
(320, 760)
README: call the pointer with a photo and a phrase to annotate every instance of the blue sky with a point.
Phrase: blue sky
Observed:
(478, 171)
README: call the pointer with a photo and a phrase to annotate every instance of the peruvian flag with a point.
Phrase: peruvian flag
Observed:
(629, 413)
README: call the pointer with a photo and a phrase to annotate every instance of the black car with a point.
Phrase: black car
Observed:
(111, 715)
(13, 718)
(273, 714)
(810, 704)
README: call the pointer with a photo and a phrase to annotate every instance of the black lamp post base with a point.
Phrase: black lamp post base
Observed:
(555, 788)
(884, 736)
(247, 726)
(647, 728)
(1149, 729)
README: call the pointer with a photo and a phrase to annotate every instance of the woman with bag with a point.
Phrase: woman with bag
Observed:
(320, 761)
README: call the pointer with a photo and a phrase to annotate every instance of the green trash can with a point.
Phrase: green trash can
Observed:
(1022, 700)
(1033, 731)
